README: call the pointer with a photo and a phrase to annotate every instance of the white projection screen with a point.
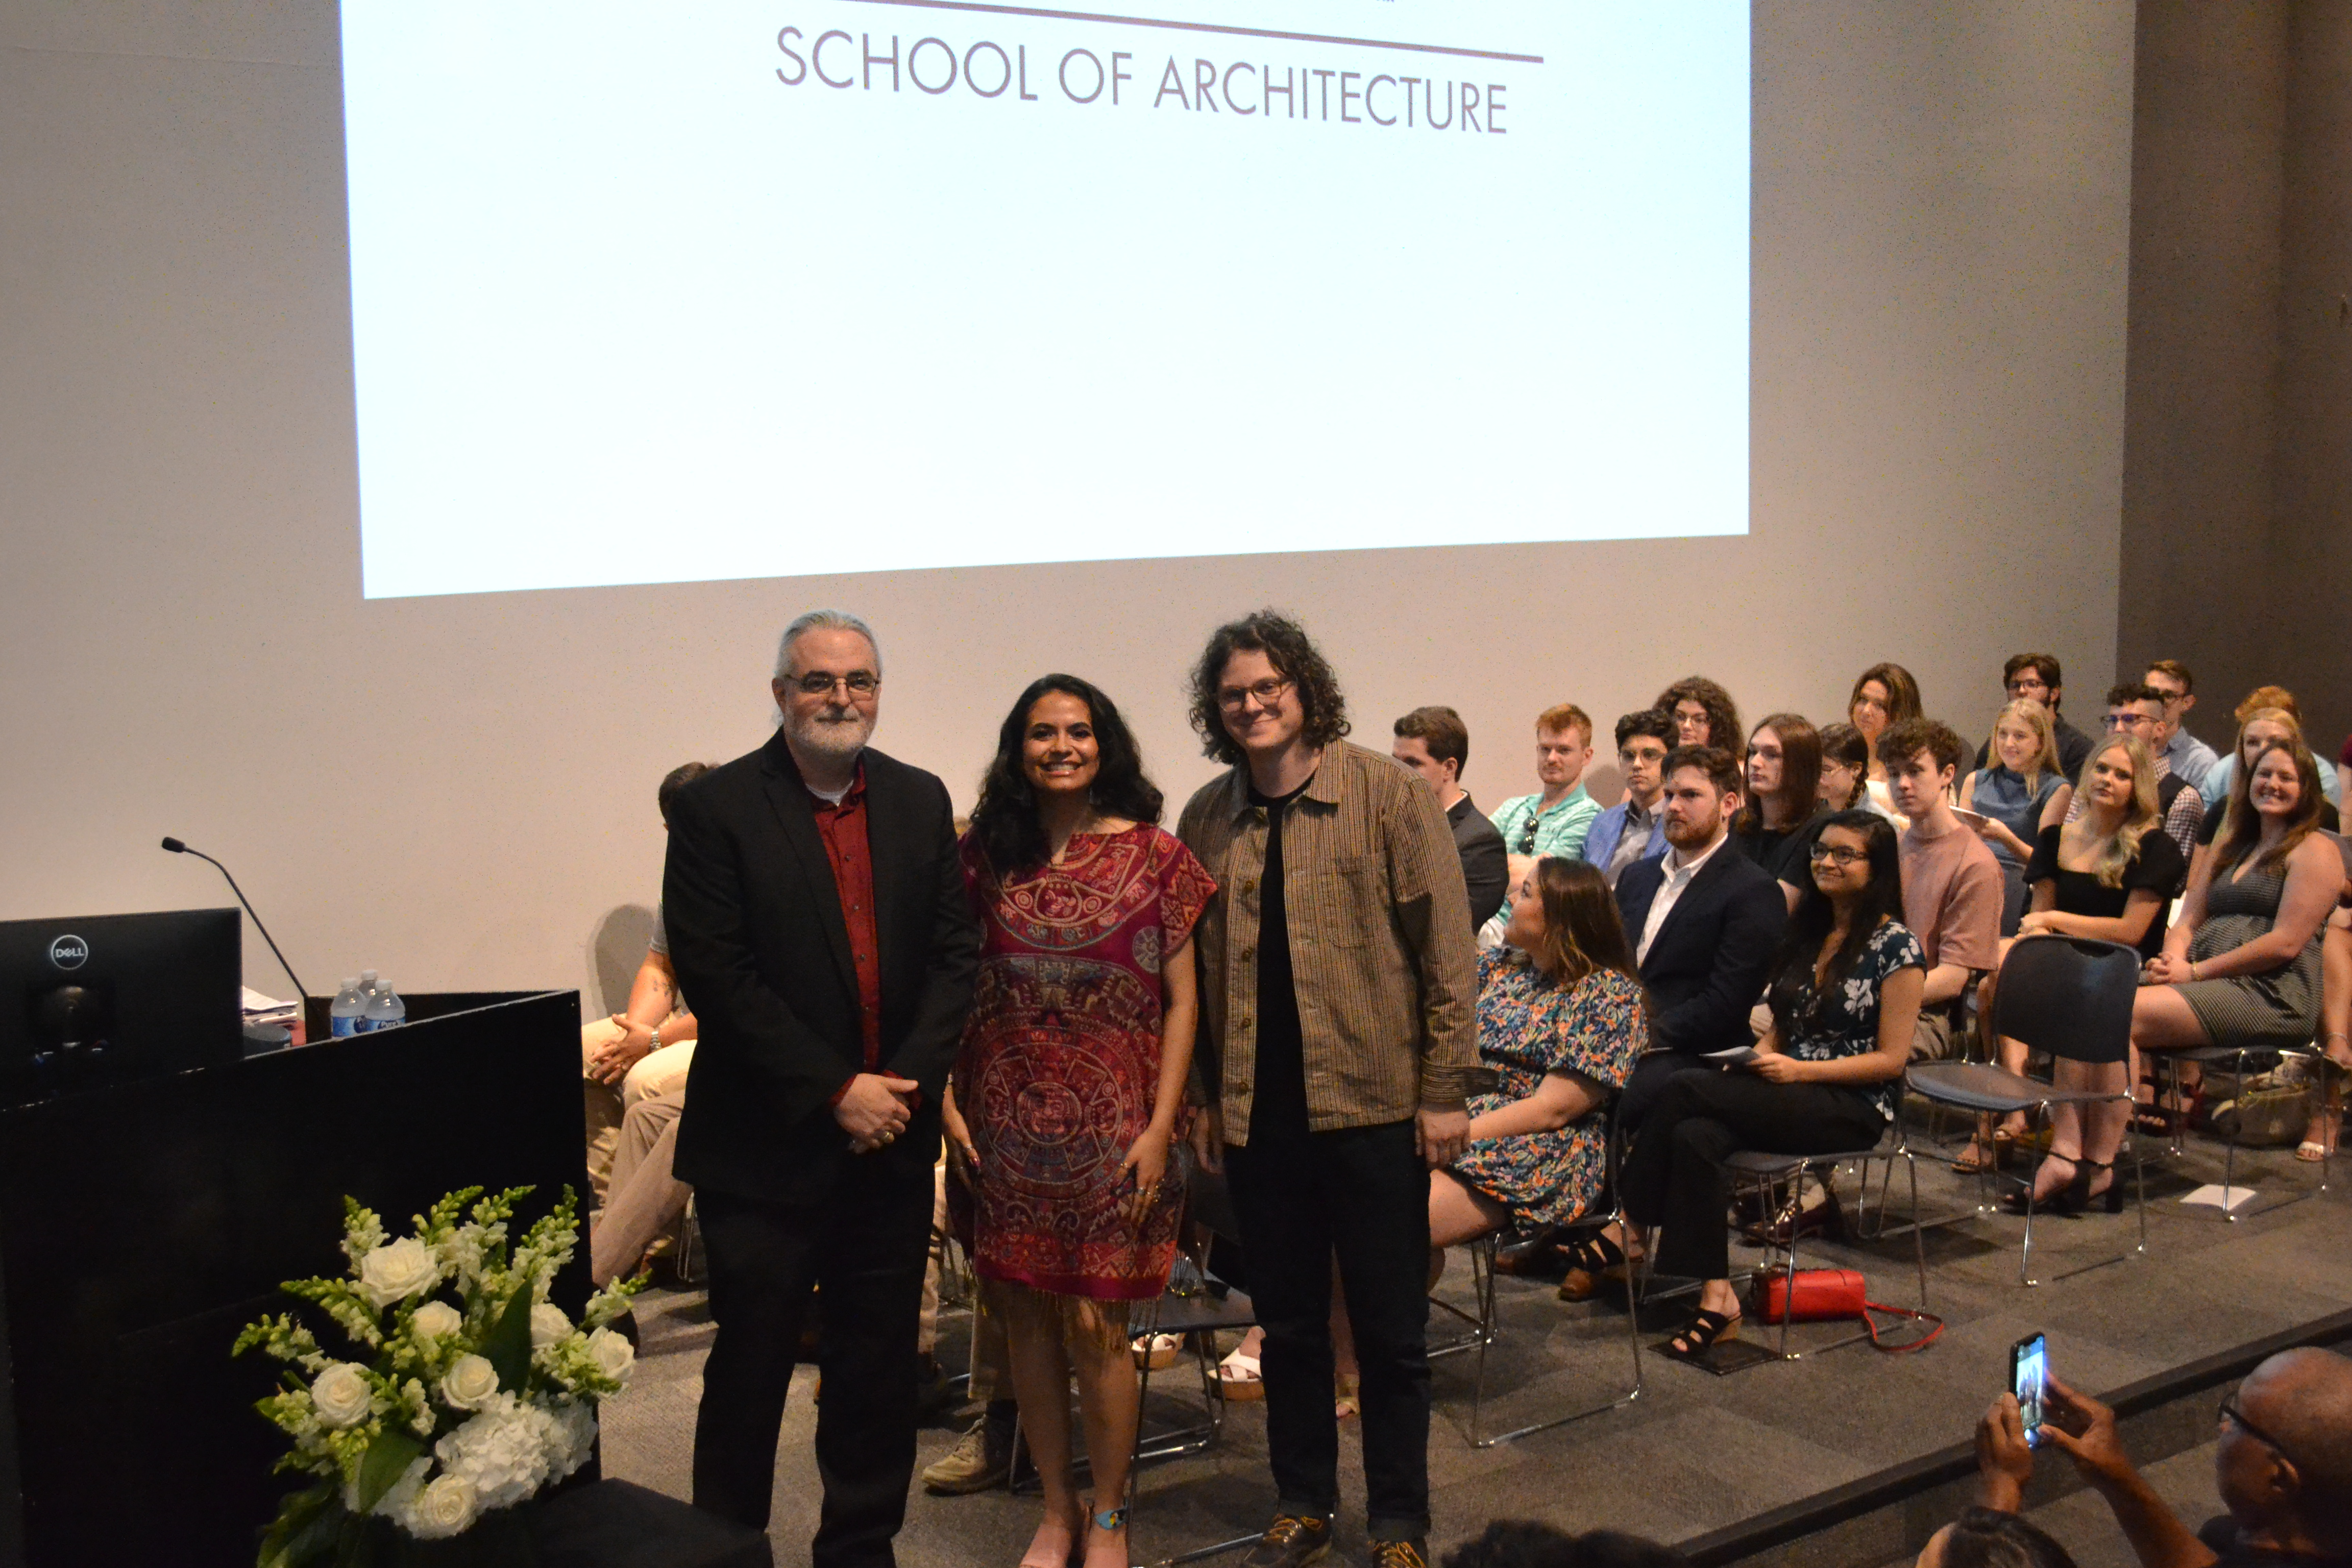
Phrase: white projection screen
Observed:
(861, 284)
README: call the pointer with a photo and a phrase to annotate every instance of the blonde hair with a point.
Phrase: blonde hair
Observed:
(2140, 818)
(2031, 713)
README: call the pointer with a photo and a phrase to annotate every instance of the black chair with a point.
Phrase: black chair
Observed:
(1756, 1169)
(2060, 994)
(2238, 1058)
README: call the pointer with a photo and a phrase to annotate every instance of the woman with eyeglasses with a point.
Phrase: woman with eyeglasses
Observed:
(1703, 712)
(1071, 1080)
(1844, 997)
(2105, 876)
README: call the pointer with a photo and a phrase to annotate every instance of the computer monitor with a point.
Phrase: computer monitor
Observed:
(104, 999)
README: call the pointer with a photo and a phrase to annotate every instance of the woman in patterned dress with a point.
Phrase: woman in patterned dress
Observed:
(1071, 1078)
(1560, 1019)
(1844, 995)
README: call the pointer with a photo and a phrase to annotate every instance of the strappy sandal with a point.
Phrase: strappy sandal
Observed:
(1702, 1333)
(2052, 1202)
(1591, 1263)
(1975, 1160)
(1239, 1378)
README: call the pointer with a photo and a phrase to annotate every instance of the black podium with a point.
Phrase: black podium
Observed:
(141, 1226)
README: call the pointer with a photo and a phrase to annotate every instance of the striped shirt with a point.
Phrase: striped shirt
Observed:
(1382, 963)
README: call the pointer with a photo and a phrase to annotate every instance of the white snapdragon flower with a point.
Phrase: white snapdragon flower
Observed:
(470, 1384)
(435, 1320)
(613, 1354)
(340, 1396)
(447, 1507)
(397, 1270)
(548, 1325)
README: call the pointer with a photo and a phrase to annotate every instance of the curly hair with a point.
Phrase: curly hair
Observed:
(1293, 654)
(1722, 713)
(1005, 820)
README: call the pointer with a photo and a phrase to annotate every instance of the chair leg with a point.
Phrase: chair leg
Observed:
(2025, 1251)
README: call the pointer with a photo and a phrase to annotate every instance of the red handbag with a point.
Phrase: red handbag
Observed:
(1825, 1295)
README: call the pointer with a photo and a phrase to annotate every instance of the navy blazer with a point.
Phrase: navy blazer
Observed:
(1707, 969)
(757, 936)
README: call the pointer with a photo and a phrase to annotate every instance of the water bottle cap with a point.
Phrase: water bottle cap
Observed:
(351, 982)
(367, 976)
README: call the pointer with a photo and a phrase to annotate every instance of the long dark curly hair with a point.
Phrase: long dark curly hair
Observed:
(1287, 646)
(1809, 927)
(1722, 713)
(1005, 820)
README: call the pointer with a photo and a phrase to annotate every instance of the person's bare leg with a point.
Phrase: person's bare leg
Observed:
(1110, 1402)
(2104, 1123)
(2057, 1169)
(2162, 1020)
(2335, 1025)
(1041, 1383)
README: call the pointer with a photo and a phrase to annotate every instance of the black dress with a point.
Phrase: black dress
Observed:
(2155, 869)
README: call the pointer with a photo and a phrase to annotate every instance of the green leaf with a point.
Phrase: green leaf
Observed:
(507, 1346)
(304, 1527)
(388, 1458)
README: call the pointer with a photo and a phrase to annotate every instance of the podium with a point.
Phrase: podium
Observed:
(142, 1225)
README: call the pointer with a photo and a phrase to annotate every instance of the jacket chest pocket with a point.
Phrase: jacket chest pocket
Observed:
(1348, 898)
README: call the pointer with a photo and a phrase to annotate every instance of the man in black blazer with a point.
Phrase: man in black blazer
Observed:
(816, 915)
(1704, 921)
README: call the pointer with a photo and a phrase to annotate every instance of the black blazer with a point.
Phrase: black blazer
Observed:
(1485, 865)
(757, 936)
(1709, 967)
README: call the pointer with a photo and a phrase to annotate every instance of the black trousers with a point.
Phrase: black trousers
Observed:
(865, 1247)
(1361, 1192)
(1702, 1116)
(1648, 1079)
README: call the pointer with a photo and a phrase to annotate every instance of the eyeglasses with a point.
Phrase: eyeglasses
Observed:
(1843, 855)
(860, 683)
(2235, 1417)
(2128, 720)
(1265, 693)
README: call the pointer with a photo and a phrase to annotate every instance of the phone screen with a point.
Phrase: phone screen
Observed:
(2028, 1370)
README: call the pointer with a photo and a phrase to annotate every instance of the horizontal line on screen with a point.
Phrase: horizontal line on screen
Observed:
(1209, 28)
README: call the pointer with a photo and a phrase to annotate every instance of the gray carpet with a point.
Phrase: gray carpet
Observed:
(1694, 1452)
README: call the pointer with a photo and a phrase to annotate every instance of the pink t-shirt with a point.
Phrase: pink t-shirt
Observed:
(1952, 897)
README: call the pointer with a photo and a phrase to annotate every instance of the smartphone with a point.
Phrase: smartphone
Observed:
(2028, 1370)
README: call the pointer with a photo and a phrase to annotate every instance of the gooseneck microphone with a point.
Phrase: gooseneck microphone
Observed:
(176, 847)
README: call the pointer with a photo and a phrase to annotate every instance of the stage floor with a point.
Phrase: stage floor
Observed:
(1695, 1452)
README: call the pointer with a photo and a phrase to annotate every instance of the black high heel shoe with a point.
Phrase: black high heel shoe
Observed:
(2079, 1195)
(2053, 1202)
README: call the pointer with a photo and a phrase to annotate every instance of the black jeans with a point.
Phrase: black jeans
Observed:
(1674, 1177)
(866, 1246)
(1362, 1193)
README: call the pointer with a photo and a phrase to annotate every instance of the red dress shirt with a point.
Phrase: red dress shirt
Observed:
(842, 825)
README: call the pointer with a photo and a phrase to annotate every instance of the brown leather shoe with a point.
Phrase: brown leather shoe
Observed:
(1400, 1554)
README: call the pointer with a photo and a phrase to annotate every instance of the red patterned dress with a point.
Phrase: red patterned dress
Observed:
(1060, 1064)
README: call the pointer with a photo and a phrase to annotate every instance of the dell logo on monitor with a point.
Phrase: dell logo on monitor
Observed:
(70, 953)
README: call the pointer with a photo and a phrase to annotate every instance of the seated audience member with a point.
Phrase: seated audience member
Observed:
(1703, 712)
(1844, 995)
(2189, 758)
(2137, 709)
(644, 1202)
(2282, 1467)
(1845, 772)
(2261, 728)
(2007, 798)
(1560, 1022)
(1524, 1544)
(1554, 820)
(2105, 876)
(1988, 1538)
(2034, 677)
(1705, 923)
(644, 1051)
(2270, 703)
(1784, 767)
(1884, 694)
(1631, 830)
(1436, 744)
(2241, 964)
(1951, 884)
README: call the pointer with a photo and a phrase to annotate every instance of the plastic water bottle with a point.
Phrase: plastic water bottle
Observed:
(350, 1008)
(385, 1010)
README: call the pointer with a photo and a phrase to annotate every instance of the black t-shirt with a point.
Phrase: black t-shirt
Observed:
(1278, 1098)
(2220, 1537)
(1782, 851)
(2157, 868)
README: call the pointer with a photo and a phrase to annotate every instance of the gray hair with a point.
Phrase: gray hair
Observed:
(824, 621)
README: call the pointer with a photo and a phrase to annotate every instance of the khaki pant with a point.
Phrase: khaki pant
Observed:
(646, 1200)
(661, 1072)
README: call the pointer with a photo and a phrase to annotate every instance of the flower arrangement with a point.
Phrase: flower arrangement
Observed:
(452, 1409)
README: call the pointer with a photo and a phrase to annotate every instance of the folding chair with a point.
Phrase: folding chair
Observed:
(2056, 993)
(2169, 1064)
(1753, 1169)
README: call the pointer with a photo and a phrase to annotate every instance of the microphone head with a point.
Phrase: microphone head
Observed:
(176, 846)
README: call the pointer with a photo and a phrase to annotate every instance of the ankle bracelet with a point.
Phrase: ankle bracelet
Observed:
(1111, 1519)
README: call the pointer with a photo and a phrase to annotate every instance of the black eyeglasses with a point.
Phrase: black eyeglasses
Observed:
(2235, 1417)
(1845, 855)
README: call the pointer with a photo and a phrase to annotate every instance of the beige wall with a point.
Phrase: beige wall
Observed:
(457, 791)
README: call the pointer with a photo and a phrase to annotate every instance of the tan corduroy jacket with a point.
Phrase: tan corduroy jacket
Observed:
(1385, 966)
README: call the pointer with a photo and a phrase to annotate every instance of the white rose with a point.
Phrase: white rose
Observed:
(470, 1382)
(613, 1354)
(447, 1506)
(397, 1270)
(435, 1320)
(340, 1396)
(548, 1324)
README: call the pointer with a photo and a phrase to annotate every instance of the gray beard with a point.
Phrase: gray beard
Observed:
(821, 739)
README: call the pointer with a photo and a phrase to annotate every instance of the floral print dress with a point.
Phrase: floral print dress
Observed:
(1843, 1022)
(1528, 1027)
